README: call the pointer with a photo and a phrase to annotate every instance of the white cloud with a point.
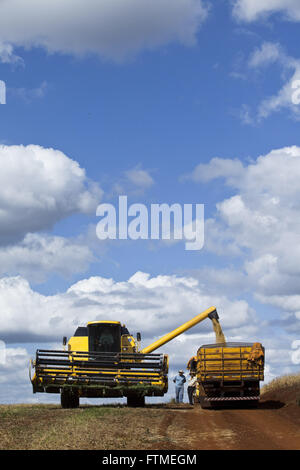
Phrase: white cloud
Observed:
(288, 96)
(133, 182)
(111, 29)
(217, 167)
(38, 256)
(153, 306)
(140, 178)
(271, 53)
(44, 187)
(7, 55)
(17, 361)
(15, 386)
(260, 223)
(14, 378)
(267, 54)
(251, 10)
(258, 229)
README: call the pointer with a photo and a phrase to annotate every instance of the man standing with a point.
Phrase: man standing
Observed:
(179, 381)
(191, 387)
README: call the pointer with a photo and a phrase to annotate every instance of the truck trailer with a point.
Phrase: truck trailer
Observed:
(228, 373)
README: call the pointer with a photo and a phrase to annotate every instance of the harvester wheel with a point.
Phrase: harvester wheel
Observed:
(136, 401)
(69, 399)
(75, 401)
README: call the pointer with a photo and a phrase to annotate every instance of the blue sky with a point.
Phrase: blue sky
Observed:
(157, 96)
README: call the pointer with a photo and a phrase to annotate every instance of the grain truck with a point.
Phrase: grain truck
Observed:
(228, 373)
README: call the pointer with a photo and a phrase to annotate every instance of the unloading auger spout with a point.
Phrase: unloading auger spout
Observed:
(209, 313)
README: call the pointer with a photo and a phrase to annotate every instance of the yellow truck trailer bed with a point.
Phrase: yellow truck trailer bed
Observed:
(229, 372)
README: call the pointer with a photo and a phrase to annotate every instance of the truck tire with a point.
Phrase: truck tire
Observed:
(69, 399)
(205, 405)
(136, 401)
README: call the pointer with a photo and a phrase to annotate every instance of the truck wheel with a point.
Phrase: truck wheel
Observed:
(69, 399)
(136, 401)
(205, 405)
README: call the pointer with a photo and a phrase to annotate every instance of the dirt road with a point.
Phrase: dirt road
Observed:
(268, 427)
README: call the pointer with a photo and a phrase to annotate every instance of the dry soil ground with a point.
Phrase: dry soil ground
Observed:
(274, 425)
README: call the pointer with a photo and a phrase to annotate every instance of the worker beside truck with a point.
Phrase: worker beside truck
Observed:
(192, 382)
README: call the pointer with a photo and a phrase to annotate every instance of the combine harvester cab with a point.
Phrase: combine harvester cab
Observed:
(229, 373)
(103, 361)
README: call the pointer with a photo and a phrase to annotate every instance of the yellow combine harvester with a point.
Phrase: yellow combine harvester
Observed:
(104, 360)
(228, 373)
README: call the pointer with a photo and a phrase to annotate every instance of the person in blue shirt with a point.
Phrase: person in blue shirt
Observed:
(179, 381)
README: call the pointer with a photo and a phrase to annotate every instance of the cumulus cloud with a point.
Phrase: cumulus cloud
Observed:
(260, 224)
(112, 30)
(288, 96)
(16, 362)
(251, 10)
(153, 306)
(37, 256)
(14, 379)
(44, 187)
(288, 70)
